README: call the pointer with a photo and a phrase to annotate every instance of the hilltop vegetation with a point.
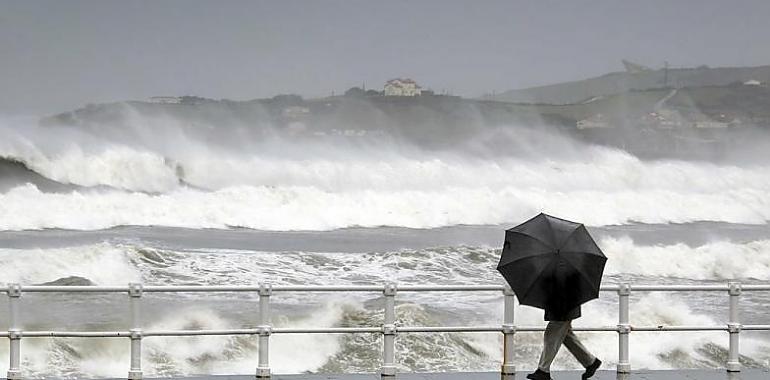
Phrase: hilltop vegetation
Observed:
(686, 122)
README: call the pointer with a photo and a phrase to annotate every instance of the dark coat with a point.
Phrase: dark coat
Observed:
(557, 310)
(561, 315)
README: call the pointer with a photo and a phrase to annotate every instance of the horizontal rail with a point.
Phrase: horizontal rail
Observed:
(362, 330)
(201, 332)
(449, 288)
(429, 329)
(257, 331)
(73, 289)
(755, 287)
(333, 330)
(388, 329)
(75, 334)
(756, 327)
(355, 288)
(679, 328)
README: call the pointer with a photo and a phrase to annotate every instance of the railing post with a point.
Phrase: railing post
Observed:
(388, 368)
(624, 328)
(14, 332)
(134, 300)
(734, 328)
(508, 369)
(265, 329)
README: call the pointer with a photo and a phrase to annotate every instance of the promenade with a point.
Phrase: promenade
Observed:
(687, 374)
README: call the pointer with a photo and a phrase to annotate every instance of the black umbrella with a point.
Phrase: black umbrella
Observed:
(552, 263)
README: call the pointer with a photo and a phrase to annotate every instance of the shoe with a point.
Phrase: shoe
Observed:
(539, 375)
(591, 369)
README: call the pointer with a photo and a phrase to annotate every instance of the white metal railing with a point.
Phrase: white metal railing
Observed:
(388, 329)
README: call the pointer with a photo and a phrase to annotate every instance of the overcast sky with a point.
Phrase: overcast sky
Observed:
(59, 55)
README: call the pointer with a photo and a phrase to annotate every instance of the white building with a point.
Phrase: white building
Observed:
(752, 82)
(402, 87)
(165, 99)
(295, 112)
(595, 121)
(669, 118)
(710, 124)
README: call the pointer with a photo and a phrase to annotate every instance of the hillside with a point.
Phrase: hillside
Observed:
(622, 82)
(686, 122)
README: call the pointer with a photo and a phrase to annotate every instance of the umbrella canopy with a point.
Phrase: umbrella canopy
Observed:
(552, 263)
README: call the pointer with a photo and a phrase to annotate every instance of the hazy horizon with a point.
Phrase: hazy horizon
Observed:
(61, 55)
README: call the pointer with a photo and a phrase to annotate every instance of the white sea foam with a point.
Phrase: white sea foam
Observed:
(72, 157)
(281, 208)
(649, 350)
(163, 175)
(169, 356)
(436, 352)
(104, 264)
(717, 260)
(109, 263)
(322, 185)
(117, 264)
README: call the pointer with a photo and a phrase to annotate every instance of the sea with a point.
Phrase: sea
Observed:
(160, 201)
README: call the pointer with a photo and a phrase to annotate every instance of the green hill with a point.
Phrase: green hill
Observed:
(622, 82)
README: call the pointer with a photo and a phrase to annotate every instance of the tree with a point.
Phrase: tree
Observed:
(355, 92)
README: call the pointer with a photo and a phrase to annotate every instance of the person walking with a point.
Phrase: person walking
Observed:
(558, 332)
(554, 264)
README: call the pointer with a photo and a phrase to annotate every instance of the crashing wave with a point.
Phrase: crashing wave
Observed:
(14, 172)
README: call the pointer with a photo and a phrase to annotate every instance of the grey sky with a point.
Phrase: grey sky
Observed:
(59, 55)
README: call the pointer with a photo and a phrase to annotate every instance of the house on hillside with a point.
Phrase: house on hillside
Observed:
(166, 100)
(295, 112)
(710, 124)
(402, 87)
(704, 121)
(669, 118)
(595, 121)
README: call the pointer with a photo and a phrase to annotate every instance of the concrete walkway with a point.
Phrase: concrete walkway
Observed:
(748, 374)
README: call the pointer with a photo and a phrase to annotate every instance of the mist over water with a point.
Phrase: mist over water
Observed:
(158, 170)
(151, 170)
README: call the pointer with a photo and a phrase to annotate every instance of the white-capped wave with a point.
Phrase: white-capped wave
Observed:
(649, 350)
(281, 208)
(185, 356)
(719, 260)
(119, 263)
(103, 264)
(278, 184)
(73, 157)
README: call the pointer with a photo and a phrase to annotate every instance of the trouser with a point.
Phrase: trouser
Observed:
(556, 333)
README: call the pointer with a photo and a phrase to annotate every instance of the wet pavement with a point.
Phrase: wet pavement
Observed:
(748, 374)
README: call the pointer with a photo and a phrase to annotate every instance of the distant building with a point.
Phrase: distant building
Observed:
(295, 112)
(402, 87)
(704, 121)
(595, 121)
(752, 82)
(710, 124)
(166, 100)
(669, 118)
